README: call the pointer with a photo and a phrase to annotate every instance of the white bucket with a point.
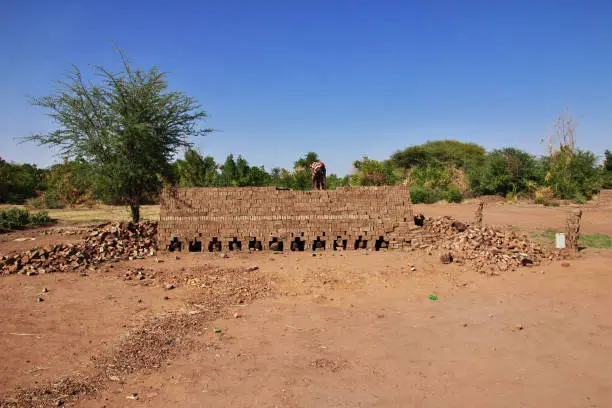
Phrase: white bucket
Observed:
(560, 240)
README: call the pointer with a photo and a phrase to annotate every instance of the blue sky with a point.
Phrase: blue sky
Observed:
(343, 78)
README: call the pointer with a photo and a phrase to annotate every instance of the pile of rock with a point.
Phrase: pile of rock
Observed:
(487, 250)
(64, 231)
(103, 243)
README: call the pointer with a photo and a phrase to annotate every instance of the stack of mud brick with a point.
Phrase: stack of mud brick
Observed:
(605, 199)
(203, 219)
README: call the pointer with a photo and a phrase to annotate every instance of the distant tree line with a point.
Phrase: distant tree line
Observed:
(438, 170)
(121, 132)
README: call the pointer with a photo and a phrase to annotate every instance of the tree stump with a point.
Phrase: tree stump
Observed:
(478, 214)
(572, 230)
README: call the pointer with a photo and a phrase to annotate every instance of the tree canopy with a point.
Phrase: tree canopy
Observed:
(128, 126)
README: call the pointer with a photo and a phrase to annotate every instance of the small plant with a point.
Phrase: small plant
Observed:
(40, 218)
(423, 195)
(452, 195)
(15, 218)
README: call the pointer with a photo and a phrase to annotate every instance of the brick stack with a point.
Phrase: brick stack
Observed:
(203, 219)
(605, 199)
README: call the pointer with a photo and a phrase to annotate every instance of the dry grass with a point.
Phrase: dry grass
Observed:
(103, 213)
(97, 214)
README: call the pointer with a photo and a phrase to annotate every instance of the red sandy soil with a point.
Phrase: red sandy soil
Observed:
(342, 329)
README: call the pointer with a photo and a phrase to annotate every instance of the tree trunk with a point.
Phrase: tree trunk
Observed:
(135, 212)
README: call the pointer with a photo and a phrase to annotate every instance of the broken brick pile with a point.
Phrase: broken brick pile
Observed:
(485, 249)
(207, 219)
(103, 243)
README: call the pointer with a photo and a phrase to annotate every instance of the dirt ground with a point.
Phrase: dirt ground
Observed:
(341, 329)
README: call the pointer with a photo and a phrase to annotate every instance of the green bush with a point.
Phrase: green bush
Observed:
(452, 195)
(40, 218)
(14, 218)
(423, 195)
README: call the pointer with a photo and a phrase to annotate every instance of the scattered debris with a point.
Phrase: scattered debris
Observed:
(331, 365)
(487, 250)
(103, 243)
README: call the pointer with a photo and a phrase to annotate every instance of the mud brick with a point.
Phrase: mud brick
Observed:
(240, 213)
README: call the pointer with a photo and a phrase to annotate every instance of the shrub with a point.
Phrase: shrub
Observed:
(13, 218)
(452, 195)
(423, 195)
(40, 218)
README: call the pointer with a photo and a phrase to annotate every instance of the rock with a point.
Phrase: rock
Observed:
(565, 264)
(166, 298)
(40, 299)
(237, 315)
(459, 226)
(446, 258)
(44, 290)
(518, 327)
(32, 273)
(114, 378)
(224, 255)
(253, 268)
(169, 286)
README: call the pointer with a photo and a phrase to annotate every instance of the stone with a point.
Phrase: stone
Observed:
(446, 258)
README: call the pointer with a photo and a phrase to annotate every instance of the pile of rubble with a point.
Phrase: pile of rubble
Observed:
(485, 249)
(64, 231)
(103, 243)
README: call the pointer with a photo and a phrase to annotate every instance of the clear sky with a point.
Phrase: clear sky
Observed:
(344, 78)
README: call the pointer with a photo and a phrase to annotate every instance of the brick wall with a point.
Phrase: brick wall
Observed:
(203, 216)
(605, 198)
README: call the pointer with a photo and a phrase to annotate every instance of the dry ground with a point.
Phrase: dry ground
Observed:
(342, 329)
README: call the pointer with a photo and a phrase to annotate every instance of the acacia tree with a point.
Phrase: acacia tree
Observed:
(128, 126)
